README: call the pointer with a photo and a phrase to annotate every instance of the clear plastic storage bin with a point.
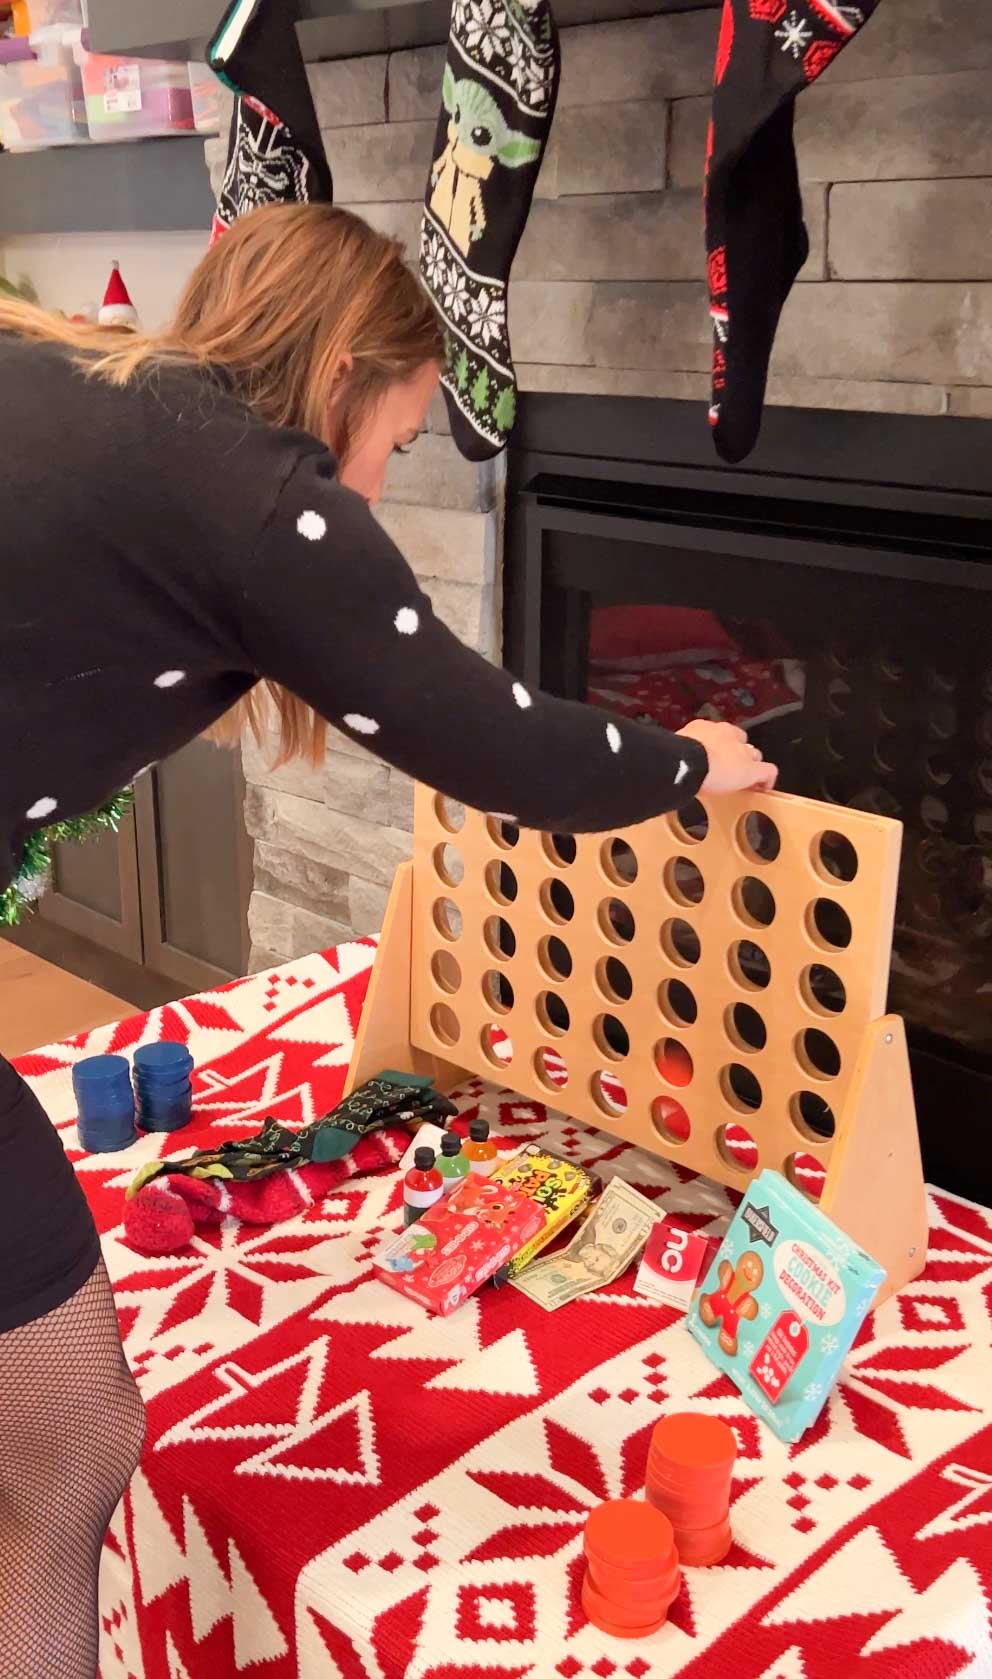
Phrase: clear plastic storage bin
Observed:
(206, 90)
(41, 93)
(134, 98)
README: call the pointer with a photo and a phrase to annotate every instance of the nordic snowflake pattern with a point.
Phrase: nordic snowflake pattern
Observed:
(794, 34)
(486, 316)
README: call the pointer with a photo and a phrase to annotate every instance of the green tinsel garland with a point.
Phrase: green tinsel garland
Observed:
(36, 860)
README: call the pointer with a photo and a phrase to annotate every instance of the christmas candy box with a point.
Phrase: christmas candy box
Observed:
(459, 1244)
(560, 1189)
(785, 1298)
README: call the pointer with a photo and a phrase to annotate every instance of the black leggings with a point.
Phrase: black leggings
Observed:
(71, 1419)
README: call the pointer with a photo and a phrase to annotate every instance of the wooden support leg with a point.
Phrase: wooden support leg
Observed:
(875, 1189)
(383, 1037)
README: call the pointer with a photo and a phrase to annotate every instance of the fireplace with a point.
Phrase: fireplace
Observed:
(834, 595)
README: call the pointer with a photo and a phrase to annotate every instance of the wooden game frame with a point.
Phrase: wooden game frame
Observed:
(737, 907)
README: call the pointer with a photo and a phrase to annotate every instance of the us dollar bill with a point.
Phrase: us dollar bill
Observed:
(608, 1242)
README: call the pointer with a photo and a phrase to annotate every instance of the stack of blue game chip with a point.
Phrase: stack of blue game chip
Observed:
(162, 1086)
(105, 1101)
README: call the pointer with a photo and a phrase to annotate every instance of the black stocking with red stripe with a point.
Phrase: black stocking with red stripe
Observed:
(756, 241)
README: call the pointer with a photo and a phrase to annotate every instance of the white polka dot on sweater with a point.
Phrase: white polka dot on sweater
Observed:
(312, 525)
(170, 678)
(40, 808)
(407, 620)
(361, 725)
(681, 772)
(613, 736)
(521, 696)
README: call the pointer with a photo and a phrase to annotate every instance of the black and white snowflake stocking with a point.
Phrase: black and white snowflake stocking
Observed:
(272, 159)
(756, 241)
(498, 98)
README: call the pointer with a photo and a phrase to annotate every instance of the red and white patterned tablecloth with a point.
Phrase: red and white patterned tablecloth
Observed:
(338, 1487)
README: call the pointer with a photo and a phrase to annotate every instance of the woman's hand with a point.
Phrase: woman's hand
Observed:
(735, 766)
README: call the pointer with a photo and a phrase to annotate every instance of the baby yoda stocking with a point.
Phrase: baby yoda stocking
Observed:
(499, 90)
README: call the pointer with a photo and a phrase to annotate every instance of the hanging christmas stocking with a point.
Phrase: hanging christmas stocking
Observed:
(756, 242)
(272, 159)
(498, 98)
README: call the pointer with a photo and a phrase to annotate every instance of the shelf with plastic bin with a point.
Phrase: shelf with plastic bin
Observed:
(141, 186)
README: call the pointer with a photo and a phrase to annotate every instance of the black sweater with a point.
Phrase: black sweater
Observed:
(161, 550)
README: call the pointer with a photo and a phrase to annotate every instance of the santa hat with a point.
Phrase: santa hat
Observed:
(117, 308)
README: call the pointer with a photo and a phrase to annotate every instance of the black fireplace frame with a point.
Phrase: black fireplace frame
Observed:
(894, 496)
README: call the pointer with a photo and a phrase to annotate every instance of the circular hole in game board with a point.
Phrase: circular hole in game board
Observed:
(448, 919)
(609, 1094)
(449, 813)
(674, 1063)
(551, 1070)
(812, 1117)
(619, 862)
(502, 832)
(683, 882)
(828, 925)
(617, 921)
(741, 1088)
(822, 990)
(807, 1174)
(447, 974)
(611, 1037)
(552, 1012)
(943, 720)
(838, 696)
(934, 813)
(753, 901)
(501, 882)
(501, 940)
(444, 1024)
(758, 837)
(680, 942)
(449, 864)
(690, 824)
(557, 902)
(559, 849)
(817, 1054)
(613, 979)
(555, 958)
(745, 1028)
(983, 776)
(670, 1120)
(834, 857)
(497, 991)
(982, 824)
(677, 1003)
(497, 1046)
(939, 768)
(737, 1148)
(749, 965)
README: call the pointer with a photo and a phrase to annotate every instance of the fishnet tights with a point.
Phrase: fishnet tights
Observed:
(71, 1428)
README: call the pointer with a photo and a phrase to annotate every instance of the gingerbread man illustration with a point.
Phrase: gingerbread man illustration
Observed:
(733, 1300)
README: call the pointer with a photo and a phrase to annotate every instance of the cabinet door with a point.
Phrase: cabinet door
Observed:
(194, 860)
(95, 891)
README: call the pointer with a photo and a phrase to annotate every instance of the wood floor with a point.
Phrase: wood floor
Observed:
(40, 1003)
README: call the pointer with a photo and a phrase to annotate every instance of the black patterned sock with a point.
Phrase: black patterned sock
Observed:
(498, 98)
(756, 241)
(275, 152)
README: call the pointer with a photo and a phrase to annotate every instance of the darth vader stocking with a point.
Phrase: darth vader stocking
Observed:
(275, 153)
(756, 242)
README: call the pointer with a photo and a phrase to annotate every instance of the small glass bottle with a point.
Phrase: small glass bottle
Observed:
(423, 1186)
(452, 1164)
(480, 1151)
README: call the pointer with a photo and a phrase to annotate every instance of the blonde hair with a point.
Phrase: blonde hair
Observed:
(289, 295)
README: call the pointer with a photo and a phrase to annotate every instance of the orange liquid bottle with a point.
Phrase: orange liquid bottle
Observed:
(480, 1151)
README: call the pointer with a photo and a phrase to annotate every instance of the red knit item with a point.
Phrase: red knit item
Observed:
(163, 1216)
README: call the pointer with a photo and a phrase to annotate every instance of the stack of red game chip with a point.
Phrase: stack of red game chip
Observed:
(690, 1466)
(633, 1568)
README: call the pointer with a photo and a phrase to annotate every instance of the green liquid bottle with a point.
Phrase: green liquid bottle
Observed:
(451, 1163)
